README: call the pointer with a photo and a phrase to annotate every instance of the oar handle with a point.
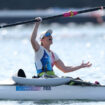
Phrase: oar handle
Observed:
(67, 14)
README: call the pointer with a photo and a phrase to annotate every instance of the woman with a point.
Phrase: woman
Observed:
(45, 58)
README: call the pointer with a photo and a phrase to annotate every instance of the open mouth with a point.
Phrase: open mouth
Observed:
(50, 39)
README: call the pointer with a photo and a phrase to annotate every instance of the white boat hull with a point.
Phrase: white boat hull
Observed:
(49, 93)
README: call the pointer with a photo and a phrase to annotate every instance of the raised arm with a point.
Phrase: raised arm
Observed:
(34, 42)
(60, 65)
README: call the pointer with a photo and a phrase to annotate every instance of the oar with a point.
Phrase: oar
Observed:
(66, 14)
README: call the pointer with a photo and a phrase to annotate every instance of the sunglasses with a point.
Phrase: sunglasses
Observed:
(47, 34)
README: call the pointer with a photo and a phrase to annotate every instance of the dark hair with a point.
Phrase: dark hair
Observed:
(41, 42)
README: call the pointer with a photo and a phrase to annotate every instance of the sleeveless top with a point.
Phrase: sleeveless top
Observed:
(44, 60)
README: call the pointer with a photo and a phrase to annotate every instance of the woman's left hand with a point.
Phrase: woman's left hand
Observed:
(88, 64)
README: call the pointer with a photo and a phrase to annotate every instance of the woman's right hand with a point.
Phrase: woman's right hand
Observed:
(38, 20)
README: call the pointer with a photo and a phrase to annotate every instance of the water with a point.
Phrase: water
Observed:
(72, 42)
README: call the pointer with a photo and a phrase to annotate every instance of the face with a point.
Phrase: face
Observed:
(47, 40)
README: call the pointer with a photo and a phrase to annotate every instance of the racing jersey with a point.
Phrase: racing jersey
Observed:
(44, 60)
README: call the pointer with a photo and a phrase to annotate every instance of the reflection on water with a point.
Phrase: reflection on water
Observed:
(53, 102)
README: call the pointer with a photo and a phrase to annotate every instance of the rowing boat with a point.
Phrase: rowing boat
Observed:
(13, 91)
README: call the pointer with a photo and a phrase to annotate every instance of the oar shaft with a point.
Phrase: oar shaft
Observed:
(71, 13)
(29, 21)
(90, 10)
(17, 23)
(67, 14)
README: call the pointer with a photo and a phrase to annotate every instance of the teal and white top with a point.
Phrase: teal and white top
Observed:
(44, 60)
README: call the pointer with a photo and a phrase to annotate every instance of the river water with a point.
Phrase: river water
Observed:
(73, 43)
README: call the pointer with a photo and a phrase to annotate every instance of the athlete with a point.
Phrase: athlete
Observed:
(45, 58)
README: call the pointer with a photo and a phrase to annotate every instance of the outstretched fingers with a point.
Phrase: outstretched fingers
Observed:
(88, 64)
